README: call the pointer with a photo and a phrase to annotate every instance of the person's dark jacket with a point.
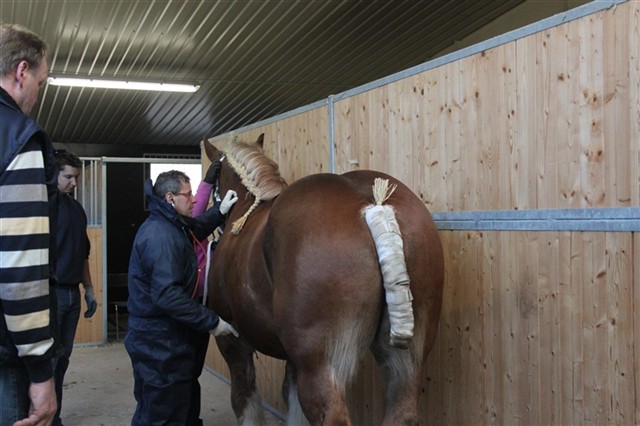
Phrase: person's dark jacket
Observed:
(28, 177)
(74, 246)
(163, 266)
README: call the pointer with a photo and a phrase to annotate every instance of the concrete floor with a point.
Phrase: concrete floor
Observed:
(98, 390)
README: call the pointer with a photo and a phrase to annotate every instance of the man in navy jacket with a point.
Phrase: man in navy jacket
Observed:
(163, 312)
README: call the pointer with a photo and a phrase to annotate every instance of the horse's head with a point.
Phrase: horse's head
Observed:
(245, 169)
(227, 176)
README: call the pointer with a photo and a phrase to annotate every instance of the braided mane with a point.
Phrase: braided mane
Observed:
(258, 173)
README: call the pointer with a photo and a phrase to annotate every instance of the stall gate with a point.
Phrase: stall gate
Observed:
(92, 330)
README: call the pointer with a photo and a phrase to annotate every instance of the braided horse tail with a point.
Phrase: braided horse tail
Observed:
(384, 228)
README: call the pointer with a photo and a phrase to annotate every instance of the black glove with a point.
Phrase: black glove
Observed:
(212, 173)
(90, 298)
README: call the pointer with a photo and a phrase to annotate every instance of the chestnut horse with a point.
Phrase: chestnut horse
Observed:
(297, 272)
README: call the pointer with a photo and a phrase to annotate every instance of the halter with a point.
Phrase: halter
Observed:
(216, 190)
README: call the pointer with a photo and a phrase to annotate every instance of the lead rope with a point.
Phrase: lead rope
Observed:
(195, 250)
(206, 274)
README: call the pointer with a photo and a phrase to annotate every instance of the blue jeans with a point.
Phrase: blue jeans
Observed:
(14, 393)
(68, 315)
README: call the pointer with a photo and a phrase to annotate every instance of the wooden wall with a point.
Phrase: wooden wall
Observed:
(90, 330)
(537, 327)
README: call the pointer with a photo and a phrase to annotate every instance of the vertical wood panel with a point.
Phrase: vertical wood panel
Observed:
(444, 92)
(568, 308)
(550, 316)
(590, 111)
(620, 345)
(616, 99)
(632, 11)
(594, 329)
(568, 59)
(635, 389)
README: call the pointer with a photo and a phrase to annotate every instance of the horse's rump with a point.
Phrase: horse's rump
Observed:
(323, 260)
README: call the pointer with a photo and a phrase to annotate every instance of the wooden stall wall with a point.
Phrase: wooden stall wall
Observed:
(90, 330)
(537, 327)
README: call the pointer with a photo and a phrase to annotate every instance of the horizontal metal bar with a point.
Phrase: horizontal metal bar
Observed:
(151, 160)
(615, 219)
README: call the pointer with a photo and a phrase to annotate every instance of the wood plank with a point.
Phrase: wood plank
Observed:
(594, 328)
(590, 111)
(616, 59)
(569, 308)
(632, 11)
(344, 134)
(550, 317)
(444, 90)
(401, 129)
(567, 56)
(546, 167)
(635, 333)
(619, 327)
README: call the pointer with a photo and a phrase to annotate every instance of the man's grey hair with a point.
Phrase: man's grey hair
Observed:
(170, 181)
(18, 43)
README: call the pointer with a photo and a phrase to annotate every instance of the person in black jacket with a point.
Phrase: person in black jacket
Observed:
(163, 313)
(72, 267)
(27, 234)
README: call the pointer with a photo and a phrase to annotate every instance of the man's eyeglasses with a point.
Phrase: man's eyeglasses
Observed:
(189, 194)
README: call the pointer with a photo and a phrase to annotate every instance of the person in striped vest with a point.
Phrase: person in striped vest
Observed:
(28, 187)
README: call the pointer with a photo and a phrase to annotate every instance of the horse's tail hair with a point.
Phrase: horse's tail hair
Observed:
(385, 231)
(382, 191)
(238, 224)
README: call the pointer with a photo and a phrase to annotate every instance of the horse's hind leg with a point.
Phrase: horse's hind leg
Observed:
(245, 401)
(402, 372)
(326, 363)
(401, 387)
(295, 415)
(322, 397)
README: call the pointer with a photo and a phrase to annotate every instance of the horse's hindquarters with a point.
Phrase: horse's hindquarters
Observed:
(326, 278)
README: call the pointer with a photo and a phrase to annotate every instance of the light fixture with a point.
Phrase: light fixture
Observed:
(122, 84)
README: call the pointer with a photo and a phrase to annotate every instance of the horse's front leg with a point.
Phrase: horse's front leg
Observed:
(245, 401)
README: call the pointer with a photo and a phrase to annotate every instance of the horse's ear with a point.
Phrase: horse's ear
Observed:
(209, 149)
(260, 140)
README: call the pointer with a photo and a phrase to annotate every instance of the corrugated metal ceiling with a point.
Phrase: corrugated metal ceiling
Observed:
(253, 59)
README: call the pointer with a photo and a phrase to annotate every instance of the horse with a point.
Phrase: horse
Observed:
(307, 276)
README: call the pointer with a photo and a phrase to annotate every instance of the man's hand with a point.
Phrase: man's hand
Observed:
(90, 298)
(224, 328)
(43, 404)
(229, 200)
